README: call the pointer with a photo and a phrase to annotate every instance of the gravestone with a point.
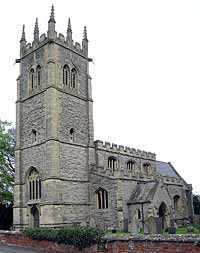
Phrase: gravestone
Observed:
(152, 226)
(135, 223)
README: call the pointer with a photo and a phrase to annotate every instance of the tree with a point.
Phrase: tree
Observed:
(196, 204)
(7, 168)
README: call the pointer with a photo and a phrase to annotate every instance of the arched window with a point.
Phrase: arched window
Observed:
(34, 184)
(39, 75)
(102, 199)
(112, 163)
(146, 168)
(32, 79)
(65, 75)
(130, 166)
(73, 78)
(71, 134)
(176, 202)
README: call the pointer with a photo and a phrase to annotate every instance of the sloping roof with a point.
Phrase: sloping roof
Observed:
(165, 169)
(144, 192)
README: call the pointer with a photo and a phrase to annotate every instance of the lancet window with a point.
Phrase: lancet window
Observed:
(73, 78)
(65, 75)
(39, 75)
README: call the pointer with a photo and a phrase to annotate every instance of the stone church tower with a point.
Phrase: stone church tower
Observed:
(54, 130)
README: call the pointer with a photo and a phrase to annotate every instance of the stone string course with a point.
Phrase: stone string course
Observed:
(113, 244)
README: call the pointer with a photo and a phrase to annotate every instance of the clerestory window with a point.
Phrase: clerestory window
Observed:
(112, 163)
(130, 166)
(146, 168)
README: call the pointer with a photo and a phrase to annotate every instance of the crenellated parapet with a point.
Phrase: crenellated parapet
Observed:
(124, 150)
(52, 36)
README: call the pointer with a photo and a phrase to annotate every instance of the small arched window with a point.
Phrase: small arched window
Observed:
(176, 202)
(146, 168)
(130, 166)
(39, 75)
(102, 199)
(112, 163)
(71, 134)
(32, 79)
(65, 75)
(34, 136)
(73, 78)
(34, 184)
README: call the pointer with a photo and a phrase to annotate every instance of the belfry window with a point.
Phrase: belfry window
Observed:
(65, 75)
(73, 78)
(71, 134)
(130, 166)
(102, 199)
(39, 75)
(34, 185)
(32, 79)
(112, 163)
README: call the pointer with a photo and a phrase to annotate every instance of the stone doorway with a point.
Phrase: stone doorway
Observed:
(35, 217)
(162, 214)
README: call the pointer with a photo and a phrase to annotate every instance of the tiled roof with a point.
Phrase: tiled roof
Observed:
(165, 169)
(144, 192)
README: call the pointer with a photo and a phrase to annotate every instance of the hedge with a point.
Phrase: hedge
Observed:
(80, 237)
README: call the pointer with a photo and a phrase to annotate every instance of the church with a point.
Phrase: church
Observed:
(63, 176)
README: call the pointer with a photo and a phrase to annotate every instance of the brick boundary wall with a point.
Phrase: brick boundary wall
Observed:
(113, 244)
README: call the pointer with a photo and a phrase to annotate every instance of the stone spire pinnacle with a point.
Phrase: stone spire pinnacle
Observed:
(52, 16)
(69, 33)
(85, 34)
(23, 38)
(69, 28)
(85, 42)
(51, 25)
(36, 30)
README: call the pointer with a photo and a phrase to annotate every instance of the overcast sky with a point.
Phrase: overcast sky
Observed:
(146, 70)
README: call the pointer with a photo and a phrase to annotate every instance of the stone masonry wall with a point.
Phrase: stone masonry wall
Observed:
(131, 244)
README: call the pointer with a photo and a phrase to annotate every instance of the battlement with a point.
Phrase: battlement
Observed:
(107, 146)
(51, 36)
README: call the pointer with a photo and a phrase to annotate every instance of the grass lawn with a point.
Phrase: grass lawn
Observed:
(179, 230)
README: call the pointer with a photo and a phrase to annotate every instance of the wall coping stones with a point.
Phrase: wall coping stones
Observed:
(107, 146)
(152, 237)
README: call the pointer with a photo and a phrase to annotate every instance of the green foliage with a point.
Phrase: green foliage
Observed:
(7, 170)
(80, 237)
(183, 229)
(196, 204)
(120, 233)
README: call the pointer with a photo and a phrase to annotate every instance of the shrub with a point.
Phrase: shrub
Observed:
(80, 237)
